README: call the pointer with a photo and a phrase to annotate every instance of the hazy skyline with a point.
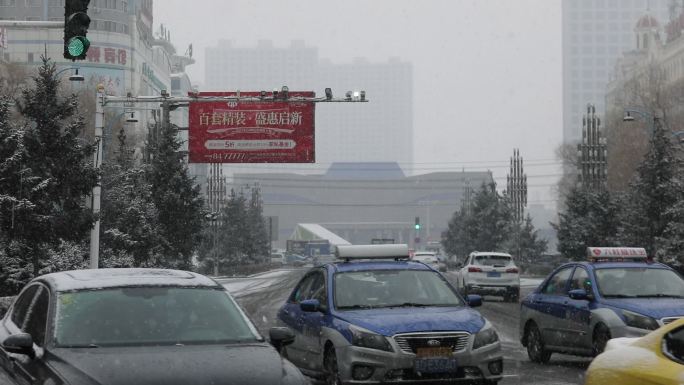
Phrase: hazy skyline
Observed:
(487, 74)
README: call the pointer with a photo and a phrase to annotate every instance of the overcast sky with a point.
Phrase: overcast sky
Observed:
(487, 73)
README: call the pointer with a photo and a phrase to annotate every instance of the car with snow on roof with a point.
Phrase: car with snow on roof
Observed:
(136, 326)
(616, 292)
(375, 316)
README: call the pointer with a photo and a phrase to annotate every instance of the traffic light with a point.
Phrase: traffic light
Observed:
(76, 23)
(417, 226)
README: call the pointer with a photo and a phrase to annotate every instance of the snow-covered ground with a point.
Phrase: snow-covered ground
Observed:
(531, 282)
(253, 283)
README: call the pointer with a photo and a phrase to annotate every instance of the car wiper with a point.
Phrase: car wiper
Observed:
(409, 304)
(353, 307)
(659, 296)
(619, 296)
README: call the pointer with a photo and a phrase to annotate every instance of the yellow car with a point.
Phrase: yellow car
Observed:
(654, 359)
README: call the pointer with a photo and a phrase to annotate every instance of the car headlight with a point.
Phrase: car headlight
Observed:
(486, 336)
(636, 320)
(367, 339)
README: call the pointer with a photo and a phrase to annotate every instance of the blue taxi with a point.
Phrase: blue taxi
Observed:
(374, 316)
(617, 292)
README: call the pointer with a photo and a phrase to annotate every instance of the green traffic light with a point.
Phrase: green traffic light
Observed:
(417, 227)
(77, 46)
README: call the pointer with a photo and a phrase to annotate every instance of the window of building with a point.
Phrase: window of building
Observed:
(8, 3)
(30, 57)
(56, 3)
(34, 3)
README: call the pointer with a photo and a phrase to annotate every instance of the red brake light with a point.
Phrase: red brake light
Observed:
(474, 270)
(512, 270)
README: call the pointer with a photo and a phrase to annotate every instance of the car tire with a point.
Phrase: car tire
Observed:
(490, 382)
(599, 339)
(535, 345)
(332, 374)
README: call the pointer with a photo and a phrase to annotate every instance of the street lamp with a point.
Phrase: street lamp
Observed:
(650, 118)
(74, 78)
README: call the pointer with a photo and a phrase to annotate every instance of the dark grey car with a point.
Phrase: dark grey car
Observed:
(136, 326)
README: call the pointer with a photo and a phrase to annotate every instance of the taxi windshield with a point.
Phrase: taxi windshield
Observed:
(392, 288)
(639, 282)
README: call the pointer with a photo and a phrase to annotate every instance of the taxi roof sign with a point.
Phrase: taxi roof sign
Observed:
(616, 253)
(387, 251)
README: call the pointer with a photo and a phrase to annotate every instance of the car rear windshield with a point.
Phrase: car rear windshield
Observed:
(149, 316)
(635, 282)
(491, 260)
(392, 288)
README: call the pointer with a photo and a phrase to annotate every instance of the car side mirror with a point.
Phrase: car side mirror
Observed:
(310, 305)
(473, 300)
(20, 343)
(281, 336)
(579, 294)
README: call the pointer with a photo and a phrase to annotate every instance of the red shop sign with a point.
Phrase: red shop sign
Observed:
(263, 131)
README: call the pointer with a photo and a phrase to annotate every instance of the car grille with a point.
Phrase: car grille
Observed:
(410, 342)
(668, 320)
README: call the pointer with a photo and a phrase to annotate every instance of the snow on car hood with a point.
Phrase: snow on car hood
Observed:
(653, 307)
(171, 365)
(391, 321)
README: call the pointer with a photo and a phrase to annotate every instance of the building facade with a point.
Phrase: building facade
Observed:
(380, 131)
(595, 34)
(648, 83)
(364, 201)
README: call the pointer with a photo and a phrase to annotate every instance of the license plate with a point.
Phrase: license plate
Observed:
(493, 274)
(439, 352)
(435, 365)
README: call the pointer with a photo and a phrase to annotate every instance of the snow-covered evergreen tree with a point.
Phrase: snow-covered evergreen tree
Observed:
(46, 173)
(590, 219)
(492, 218)
(178, 202)
(258, 243)
(525, 242)
(653, 193)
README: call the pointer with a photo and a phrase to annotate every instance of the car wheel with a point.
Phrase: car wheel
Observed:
(490, 382)
(535, 346)
(600, 339)
(332, 374)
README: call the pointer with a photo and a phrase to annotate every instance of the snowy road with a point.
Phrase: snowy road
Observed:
(261, 296)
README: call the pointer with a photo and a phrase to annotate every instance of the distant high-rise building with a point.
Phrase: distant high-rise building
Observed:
(595, 33)
(379, 131)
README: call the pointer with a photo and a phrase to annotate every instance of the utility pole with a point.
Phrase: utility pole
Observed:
(592, 153)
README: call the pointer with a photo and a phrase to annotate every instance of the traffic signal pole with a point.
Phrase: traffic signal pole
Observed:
(97, 190)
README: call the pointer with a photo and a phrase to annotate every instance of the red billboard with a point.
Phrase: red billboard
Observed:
(252, 131)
